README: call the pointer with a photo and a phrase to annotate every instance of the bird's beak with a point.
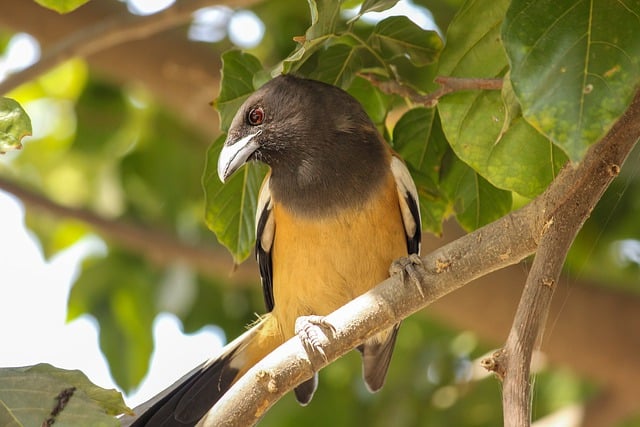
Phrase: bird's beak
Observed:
(235, 154)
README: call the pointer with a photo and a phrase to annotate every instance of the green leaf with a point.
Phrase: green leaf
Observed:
(398, 36)
(115, 290)
(373, 6)
(14, 125)
(55, 234)
(340, 62)
(486, 131)
(29, 394)
(325, 15)
(62, 6)
(375, 103)
(476, 201)
(237, 83)
(575, 66)
(230, 208)
(418, 138)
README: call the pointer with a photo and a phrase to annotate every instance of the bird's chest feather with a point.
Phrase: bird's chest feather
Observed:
(319, 264)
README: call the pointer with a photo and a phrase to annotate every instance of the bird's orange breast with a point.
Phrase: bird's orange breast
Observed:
(319, 264)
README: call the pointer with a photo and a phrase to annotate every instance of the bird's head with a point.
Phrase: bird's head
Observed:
(294, 125)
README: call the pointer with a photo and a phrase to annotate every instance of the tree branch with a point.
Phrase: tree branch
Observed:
(106, 34)
(494, 246)
(564, 221)
(158, 246)
(447, 84)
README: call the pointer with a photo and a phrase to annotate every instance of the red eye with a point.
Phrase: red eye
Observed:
(255, 116)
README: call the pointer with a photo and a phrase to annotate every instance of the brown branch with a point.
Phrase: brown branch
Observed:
(562, 225)
(501, 243)
(158, 246)
(109, 33)
(447, 85)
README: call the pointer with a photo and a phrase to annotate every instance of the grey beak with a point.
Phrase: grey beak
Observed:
(235, 155)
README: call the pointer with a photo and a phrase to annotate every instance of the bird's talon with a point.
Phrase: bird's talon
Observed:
(310, 330)
(408, 267)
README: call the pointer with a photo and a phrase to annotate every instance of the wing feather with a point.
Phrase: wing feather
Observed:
(265, 232)
(408, 196)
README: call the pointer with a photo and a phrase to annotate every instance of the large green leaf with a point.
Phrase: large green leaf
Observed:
(238, 74)
(62, 6)
(418, 138)
(230, 208)
(28, 396)
(398, 36)
(575, 64)
(14, 125)
(485, 128)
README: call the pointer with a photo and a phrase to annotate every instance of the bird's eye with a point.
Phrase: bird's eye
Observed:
(255, 116)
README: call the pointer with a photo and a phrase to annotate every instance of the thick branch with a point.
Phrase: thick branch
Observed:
(531, 316)
(563, 223)
(501, 243)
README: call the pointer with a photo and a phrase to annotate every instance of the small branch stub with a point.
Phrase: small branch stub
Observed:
(494, 363)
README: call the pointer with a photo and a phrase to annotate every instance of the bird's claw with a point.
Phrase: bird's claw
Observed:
(311, 331)
(408, 267)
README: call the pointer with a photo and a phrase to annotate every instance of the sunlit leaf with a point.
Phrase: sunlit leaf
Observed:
(325, 15)
(29, 394)
(485, 131)
(230, 208)
(238, 70)
(373, 6)
(376, 6)
(14, 125)
(398, 36)
(62, 6)
(55, 234)
(575, 66)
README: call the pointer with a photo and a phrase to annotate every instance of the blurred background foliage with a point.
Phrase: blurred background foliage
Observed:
(113, 149)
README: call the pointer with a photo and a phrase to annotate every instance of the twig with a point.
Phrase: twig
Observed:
(447, 85)
(108, 33)
(501, 243)
(156, 245)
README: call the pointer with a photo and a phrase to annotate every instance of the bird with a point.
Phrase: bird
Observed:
(336, 209)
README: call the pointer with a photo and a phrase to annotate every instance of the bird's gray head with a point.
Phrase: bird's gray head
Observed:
(293, 125)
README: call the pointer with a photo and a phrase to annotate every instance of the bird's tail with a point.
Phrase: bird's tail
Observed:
(185, 402)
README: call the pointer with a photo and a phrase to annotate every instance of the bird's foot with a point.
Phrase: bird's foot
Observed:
(312, 331)
(408, 267)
